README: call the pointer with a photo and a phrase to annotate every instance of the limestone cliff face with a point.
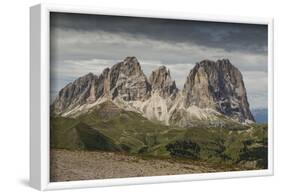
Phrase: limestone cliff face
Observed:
(161, 81)
(75, 93)
(128, 81)
(212, 90)
(219, 86)
(124, 80)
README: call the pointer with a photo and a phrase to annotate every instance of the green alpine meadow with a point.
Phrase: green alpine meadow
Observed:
(129, 132)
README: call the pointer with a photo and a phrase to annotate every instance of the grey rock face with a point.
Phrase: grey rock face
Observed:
(128, 81)
(102, 85)
(211, 89)
(161, 81)
(75, 93)
(125, 80)
(218, 85)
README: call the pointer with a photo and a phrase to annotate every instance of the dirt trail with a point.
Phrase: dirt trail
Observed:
(84, 165)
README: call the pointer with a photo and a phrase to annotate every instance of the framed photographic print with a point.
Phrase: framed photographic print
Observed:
(133, 97)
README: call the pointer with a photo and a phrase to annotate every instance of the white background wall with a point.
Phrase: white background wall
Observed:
(14, 96)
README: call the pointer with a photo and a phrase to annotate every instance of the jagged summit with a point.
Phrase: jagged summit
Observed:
(161, 81)
(131, 59)
(74, 94)
(224, 61)
(129, 66)
(218, 85)
(128, 81)
(209, 64)
(213, 89)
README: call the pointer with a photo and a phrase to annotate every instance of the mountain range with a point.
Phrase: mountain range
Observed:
(213, 93)
(123, 110)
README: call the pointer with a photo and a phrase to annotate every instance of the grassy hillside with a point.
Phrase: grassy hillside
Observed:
(108, 128)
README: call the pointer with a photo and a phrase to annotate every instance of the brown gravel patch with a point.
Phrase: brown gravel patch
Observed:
(89, 165)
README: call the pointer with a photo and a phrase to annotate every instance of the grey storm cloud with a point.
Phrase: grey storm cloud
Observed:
(229, 36)
(82, 43)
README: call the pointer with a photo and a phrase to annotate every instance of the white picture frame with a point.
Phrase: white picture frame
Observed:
(40, 100)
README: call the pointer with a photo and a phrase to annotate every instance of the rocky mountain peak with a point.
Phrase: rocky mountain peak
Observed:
(218, 85)
(130, 66)
(131, 60)
(75, 93)
(128, 81)
(212, 88)
(161, 81)
(209, 64)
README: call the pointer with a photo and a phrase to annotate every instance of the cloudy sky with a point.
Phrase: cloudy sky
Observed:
(90, 43)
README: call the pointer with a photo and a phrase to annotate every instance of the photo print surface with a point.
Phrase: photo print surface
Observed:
(134, 97)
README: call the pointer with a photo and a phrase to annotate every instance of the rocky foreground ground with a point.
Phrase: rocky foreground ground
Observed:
(89, 165)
